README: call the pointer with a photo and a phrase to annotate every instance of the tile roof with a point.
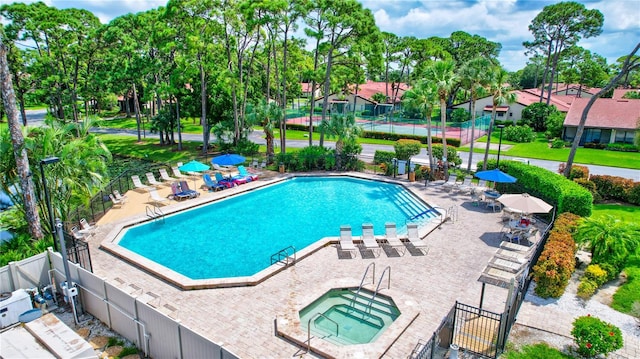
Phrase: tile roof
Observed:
(605, 113)
(531, 96)
(370, 88)
(618, 93)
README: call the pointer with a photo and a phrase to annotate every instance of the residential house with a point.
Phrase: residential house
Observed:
(306, 90)
(360, 98)
(513, 111)
(575, 90)
(609, 120)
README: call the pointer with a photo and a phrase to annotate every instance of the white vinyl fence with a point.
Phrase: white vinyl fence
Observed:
(132, 315)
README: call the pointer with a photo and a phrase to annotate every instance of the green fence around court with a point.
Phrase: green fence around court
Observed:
(409, 126)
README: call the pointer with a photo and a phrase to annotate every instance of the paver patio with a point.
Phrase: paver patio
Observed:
(242, 318)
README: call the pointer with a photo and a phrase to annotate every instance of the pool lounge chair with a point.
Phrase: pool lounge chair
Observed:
(87, 229)
(211, 184)
(450, 184)
(75, 232)
(231, 182)
(116, 202)
(155, 198)
(152, 180)
(465, 186)
(246, 174)
(184, 188)
(177, 173)
(414, 238)
(346, 241)
(391, 236)
(138, 184)
(177, 194)
(217, 167)
(369, 239)
(120, 197)
(165, 176)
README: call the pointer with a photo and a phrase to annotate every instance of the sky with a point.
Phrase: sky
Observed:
(503, 21)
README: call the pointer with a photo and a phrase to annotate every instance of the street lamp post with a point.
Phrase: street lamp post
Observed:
(499, 146)
(395, 163)
(43, 162)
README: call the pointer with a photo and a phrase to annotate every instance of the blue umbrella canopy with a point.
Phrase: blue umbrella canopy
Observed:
(230, 159)
(495, 175)
(193, 166)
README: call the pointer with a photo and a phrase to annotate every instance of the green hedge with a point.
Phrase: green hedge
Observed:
(565, 194)
(617, 188)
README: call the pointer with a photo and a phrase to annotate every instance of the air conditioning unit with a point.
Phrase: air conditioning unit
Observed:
(12, 306)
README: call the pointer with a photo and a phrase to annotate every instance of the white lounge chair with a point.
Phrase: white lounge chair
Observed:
(120, 197)
(346, 241)
(138, 184)
(414, 238)
(450, 184)
(176, 172)
(155, 198)
(87, 229)
(116, 202)
(369, 239)
(75, 232)
(465, 186)
(391, 235)
(165, 176)
(152, 179)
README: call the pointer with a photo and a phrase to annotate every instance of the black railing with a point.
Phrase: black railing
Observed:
(78, 252)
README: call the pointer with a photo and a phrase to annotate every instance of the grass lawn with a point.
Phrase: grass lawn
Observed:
(535, 351)
(149, 149)
(629, 292)
(188, 125)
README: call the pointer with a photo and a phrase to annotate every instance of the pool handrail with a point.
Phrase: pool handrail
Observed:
(378, 287)
(314, 323)
(373, 280)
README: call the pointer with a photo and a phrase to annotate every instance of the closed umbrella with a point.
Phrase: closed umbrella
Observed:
(230, 159)
(193, 166)
(525, 203)
(495, 175)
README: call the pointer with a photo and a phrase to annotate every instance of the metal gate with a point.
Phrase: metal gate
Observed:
(477, 330)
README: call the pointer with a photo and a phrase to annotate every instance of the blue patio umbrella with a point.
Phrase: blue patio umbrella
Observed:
(230, 159)
(495, 175)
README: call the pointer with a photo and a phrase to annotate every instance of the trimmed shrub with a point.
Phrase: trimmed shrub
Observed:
(555, 189)
(557, 143)
(405, 149)
(595, 273)
(595, 337)
(622, 147)
(519, 134)
(383, 157)
(587, 288)
(633, 196)
(613, 187)
(594, 145)
(455, 142)
(452, 155)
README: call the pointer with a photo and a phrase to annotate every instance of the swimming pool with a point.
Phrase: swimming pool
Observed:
(236, 236)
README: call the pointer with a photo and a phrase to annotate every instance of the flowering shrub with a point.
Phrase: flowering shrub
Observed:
(595, 337)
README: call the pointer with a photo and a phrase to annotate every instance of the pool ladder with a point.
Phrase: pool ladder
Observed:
(154, 213)
(372, 264)
(283, 256)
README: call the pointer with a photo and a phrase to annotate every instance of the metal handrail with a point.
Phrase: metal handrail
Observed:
(378, 287)
(314, 323)
(285, 252)
(154, 212)
(373, 280)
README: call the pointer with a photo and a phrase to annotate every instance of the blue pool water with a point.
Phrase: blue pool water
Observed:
(237, 236)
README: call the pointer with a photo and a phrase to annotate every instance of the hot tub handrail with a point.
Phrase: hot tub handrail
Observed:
(373, 280)
(314, 323)
(378, 287)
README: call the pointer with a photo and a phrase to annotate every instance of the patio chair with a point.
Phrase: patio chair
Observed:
(165, 176)
(246, 174)
(346, 241)
(254, 164)
(155, 198)
(120, 197)
(87, 229)
(116, 202)
(369, 239)
(184, 188)
(465, 186)
(152, 180)
(177, 194)
(177, 173)
(263, 164)
(138, 184)
(211, 184)
(222, 168)
(75, 232)
(391, 236)
(229, 182)
(450, 184)
(414, 238)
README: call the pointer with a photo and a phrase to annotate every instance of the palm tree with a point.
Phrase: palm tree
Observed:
(344, 128)
(444, 79)
(267, 115)
(608, 238)
(475, 78)
(499, 89)
(423, 97)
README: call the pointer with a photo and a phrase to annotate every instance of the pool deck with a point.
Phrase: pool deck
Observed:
(243, 318)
